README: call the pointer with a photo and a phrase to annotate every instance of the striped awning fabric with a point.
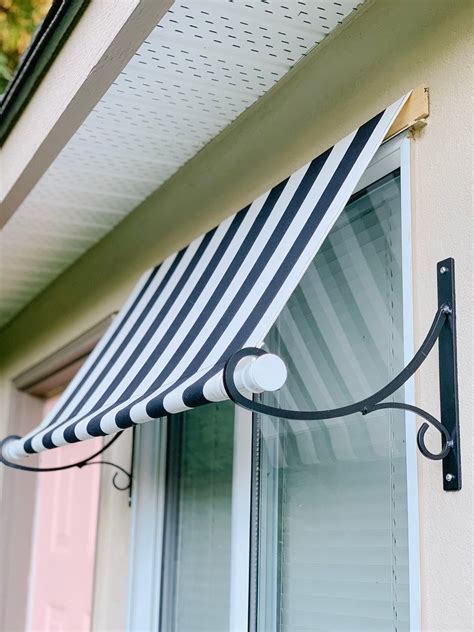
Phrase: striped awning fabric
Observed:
(165, 351)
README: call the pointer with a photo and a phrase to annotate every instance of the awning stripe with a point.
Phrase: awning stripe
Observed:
(165, 351)
(88, 369)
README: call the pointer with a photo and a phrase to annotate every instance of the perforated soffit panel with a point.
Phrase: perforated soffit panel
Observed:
(204, 64)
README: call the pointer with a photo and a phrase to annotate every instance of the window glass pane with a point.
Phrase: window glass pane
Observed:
(331, 545)
(198, 527)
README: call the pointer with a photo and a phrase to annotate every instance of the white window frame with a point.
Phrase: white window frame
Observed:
(148, 502)
(147, 526)
(394, 154)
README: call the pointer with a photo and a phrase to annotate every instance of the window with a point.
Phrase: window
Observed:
(331, 541)
(197, 542)
(191, 516)
(267, 525)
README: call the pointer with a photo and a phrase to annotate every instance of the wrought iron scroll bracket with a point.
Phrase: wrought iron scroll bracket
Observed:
(127, 485)
(443, 331)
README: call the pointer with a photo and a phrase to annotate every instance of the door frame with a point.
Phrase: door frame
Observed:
(28, 391)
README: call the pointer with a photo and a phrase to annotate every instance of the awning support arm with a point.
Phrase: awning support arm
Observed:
(443, 330)
(80, 464)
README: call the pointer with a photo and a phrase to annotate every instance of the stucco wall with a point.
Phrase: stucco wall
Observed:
(390, 48)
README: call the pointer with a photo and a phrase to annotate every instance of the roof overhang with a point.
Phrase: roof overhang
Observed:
(116, 125)
(45, 44)
(105, 38)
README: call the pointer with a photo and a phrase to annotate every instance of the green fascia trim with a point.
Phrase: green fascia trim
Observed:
(46, 44)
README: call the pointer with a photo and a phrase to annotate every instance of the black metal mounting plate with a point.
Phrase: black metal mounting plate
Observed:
(448, 383)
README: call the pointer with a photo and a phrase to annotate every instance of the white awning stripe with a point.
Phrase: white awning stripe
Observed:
(223, 292)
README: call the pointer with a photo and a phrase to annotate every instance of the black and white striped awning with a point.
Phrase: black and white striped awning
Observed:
(166, 350)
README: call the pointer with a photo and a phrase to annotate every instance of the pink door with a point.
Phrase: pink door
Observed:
(62, 576)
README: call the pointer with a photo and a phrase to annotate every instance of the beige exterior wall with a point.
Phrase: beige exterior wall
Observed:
(391, 47)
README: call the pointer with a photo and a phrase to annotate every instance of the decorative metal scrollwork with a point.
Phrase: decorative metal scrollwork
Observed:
(78, 464)
(122, 471)
(442, 330)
